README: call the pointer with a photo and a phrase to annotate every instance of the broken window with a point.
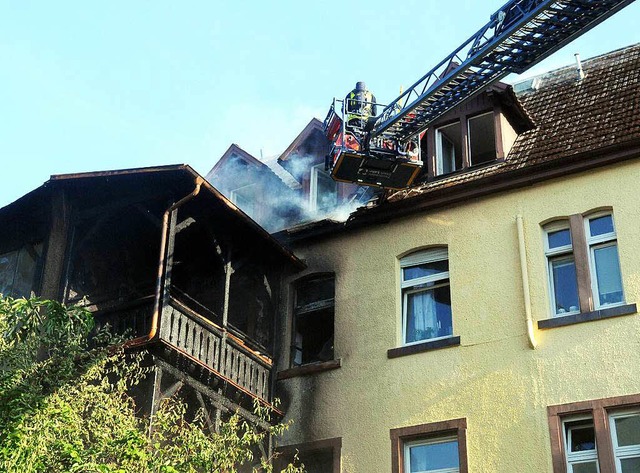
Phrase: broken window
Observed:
(313, 320)
(18, 270)
(321, 456)
(448, 148)
(482, 139)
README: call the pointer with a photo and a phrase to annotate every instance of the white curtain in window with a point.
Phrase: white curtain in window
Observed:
(421, 310)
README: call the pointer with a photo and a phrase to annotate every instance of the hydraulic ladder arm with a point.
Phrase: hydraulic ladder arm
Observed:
(518, 36)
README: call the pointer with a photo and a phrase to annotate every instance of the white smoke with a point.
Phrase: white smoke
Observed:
(275, 204)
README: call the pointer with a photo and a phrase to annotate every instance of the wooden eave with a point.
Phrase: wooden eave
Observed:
(187, 183)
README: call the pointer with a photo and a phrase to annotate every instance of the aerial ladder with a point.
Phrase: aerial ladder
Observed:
(384, 150)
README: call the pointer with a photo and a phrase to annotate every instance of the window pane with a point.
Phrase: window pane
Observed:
(317, 462)
(482, 139)
(628, 430)
(588, 467)
(426, 269)
(565, 285)
(559, 238)
(244, 197)
(326, 190)
(630, 465)
(449, 154)
(582, 438)
(428, 314)
(314, 291)
(436, 456)
(608, 274)
(26, 270)
(601, 225)
(8, 263)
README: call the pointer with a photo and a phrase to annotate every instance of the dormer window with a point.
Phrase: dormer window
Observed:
(482, 139)
(478, 132)
(469, 141)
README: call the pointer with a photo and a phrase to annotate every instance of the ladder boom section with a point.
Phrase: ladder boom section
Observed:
(519, 35)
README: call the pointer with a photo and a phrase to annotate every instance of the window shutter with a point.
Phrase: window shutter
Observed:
(425, 256)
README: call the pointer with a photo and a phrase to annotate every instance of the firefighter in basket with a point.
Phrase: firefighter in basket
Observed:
(360, 105)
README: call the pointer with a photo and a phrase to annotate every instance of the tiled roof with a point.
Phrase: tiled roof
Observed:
(272, 163)
(572, 117)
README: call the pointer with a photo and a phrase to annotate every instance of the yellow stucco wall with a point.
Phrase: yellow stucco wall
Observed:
(493, 379)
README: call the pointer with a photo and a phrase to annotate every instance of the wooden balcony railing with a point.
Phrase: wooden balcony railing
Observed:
(222, 352)
(131, 318)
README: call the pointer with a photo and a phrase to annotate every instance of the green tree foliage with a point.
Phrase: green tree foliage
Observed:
(64, 405)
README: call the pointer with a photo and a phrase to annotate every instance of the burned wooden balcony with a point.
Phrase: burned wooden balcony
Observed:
(217, 349)
(223, 352)
(193, 282)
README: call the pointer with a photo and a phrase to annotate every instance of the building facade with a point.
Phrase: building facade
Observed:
(485, 320)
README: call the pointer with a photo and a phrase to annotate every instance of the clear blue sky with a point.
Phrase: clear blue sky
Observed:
(88, 86)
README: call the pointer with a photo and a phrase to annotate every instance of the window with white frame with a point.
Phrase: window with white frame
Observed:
(432, 455)
(448, 148)
(245, 198)
(426, 296)
(596, 436)
(606, 281)
(583, 264)
(323, 192)
(563, 282)
(625, 438)
(580, 446)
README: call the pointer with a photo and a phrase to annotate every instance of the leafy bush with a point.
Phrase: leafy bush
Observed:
(65, 407)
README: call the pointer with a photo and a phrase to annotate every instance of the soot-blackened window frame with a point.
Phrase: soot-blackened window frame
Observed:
(313, 320)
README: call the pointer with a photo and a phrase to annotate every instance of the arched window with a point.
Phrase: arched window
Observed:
(426, 296)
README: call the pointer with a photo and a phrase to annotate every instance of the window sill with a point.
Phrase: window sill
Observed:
(311, 368)
(599, 314)
(425, 346)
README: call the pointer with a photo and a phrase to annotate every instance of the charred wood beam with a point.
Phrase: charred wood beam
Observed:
(216, 399)
(57, 247)
(154, 219)
(205, 410)
(156, 396)
(116, 205)
(171, 243)
(184, 224)
(228, 271)
(174, 388)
